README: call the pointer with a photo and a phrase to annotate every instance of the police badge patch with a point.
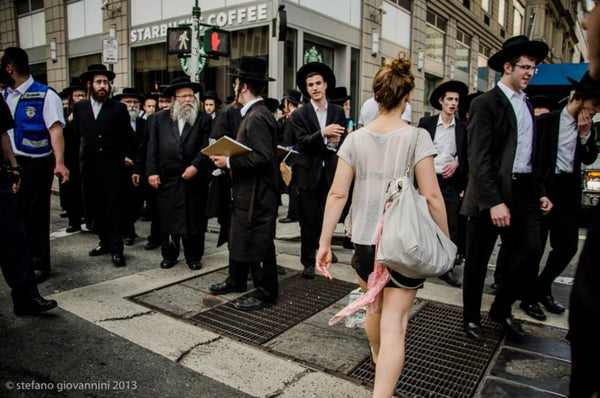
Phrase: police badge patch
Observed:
(30, 111)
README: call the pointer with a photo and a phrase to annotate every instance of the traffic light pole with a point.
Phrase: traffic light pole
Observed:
(194, 59)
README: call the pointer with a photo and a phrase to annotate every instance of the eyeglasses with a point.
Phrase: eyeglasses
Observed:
(527, 68)
(101, 81)
(185, 96)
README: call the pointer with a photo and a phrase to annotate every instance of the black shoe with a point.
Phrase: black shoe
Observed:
(225, 287)
(251, 304)
(128, 241)
(73, 228)
(309, 273)
(34, 306)
(334, 258)
(195, 265)
(533, 310)
(40, 276)
(118, 260)
(474, 331)
(512, 328)
(281, 270)
(151, 245)
(166, 264)
(459, 259)
(287, 220)
(64, 214)
(551, 305)
(100, 250)
(450, 279)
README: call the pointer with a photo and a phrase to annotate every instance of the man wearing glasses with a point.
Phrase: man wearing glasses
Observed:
(104, 127)
(503, 191)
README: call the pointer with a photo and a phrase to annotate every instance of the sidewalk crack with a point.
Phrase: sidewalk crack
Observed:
(124, 318)
(187, 352)
(286, 384)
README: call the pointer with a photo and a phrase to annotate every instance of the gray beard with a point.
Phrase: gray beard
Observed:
(179, 112)
(133, 114)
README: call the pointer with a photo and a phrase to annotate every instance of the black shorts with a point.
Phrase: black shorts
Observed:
(363, 262)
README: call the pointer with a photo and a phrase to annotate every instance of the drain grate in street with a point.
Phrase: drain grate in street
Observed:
(440, 360)
(299, 299)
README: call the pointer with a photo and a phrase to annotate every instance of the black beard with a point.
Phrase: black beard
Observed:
(98, 98)
(6, 78)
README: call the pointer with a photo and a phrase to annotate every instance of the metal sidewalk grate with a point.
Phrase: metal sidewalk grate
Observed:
(299, 299)
(440, 360)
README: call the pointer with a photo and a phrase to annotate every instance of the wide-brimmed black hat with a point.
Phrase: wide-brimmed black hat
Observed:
(453, 86)
(293, 96)
(543, 101)
(339, 95)
(129, 92)
(272, 104)
(75, 85)
(319, 68)
(96, 69)
(212, 94)
(153, 96)
(586, 85)
(253, 68)
(515, 46)
(181, 82)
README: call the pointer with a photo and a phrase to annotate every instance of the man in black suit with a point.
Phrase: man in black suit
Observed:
(567, 143)
(103, 125)
(448, 135)
(318, 127)
(133, 200)
(180, 172)
(255, 191)
(503, 191)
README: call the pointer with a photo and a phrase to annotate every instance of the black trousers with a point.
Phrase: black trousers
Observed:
(264, 276)
(193, 246)
(15, 256)
(132, 205)
(562, 225)
(73, 203)
(34, 200)
(452, 201)
(521, 244)
(294, 202)
(312, 207)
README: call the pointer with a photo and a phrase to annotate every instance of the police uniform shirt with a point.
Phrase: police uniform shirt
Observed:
(53, 111)
(444, 143)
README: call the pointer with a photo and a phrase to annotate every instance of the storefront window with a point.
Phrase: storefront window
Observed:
(38, 72)
(289, 61)
(153, 67)
(435, 30)
(317, 52)
(463, 51)
(80, 64)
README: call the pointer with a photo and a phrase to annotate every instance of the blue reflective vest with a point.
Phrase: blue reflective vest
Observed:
(30, 134)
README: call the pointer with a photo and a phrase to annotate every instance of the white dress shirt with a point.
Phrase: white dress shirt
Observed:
(53, 111)
(444, 143)
(567, 142)
(96, 107)
(524, 150)
(180, 125)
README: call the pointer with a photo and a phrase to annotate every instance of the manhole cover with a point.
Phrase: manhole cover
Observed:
(440, 360)
(299, 299)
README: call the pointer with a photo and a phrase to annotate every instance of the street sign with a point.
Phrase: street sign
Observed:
(179, 40)
(216, 42)
(110, 51)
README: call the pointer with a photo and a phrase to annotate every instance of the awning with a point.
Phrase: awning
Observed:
(556, 74)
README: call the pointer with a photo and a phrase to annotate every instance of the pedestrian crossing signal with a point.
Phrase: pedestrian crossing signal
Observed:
(216, 42)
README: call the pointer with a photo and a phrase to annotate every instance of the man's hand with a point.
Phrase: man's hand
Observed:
(219, 161)
(334, 131)
(189, 173)
(16, 185)
(545, 205)
(584, 123)
(449, 169)
(500, 215)
(135, 180)
(61, 172)
(154, 181)
(128, 162)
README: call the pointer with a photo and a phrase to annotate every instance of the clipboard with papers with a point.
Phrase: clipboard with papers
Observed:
(226, 146)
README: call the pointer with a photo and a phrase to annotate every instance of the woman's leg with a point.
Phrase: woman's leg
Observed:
(393, 324)
(372, 321)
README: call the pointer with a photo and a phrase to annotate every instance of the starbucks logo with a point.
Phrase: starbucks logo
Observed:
(186, 63)
(312, 55)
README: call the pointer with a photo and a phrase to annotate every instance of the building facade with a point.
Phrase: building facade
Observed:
(450, 39)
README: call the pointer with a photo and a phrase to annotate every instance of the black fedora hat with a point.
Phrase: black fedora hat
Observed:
(515, 46)
(339, 95)
(319, 68)
(272, 104)
(293, 96)
(543, 101)
(96, 69)
(153, 96)
(253, 68)
(178, 83)
(129, 92)
(212, 94)
(75, 85)
(586, 85)
(453, 86)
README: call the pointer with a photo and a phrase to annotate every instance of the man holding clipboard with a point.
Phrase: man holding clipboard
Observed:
(255, 177)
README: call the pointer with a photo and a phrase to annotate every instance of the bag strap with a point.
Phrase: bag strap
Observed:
(410, 158)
